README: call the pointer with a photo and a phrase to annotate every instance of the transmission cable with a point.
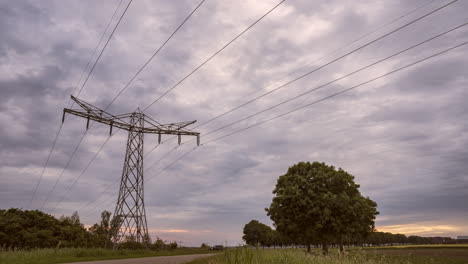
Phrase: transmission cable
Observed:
(77, 85)
(83, 85)
(158, 173)
(341, 48)
(69, 189)
(338, 79)
(63, 171)
(338, 93)
(320, 67)
(94, 52)
(154, 54)
(126, 86)
(325, 98)
(118, 179)
(212, 56)
(46, 163)
(107, 42)
(326, 64)
(369, 43)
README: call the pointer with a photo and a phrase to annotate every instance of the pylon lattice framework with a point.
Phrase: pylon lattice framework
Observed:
(130, 216)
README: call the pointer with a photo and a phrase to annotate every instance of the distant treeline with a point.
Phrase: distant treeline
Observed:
(385, 238)
(25, 229)
(259, 234)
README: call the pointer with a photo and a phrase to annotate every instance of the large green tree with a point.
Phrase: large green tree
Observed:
(316, 203)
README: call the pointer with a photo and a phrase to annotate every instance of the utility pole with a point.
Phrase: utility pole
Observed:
(129, 220)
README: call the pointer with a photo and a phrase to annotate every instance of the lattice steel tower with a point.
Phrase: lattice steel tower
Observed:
(129, 214)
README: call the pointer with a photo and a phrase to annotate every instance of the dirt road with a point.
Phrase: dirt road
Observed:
(152, 260)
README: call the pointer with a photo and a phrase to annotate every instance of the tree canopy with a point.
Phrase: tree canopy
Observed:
(35, 229)
(316, 203)
(27, 229)
(259, 234)
(256, 233)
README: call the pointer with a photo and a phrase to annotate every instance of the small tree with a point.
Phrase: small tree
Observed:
(173, 245)
(101, 233)
(314, 202)
(256, 233)
(159, 244)
(204, 246)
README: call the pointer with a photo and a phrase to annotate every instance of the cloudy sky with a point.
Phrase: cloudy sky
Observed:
(404, 137)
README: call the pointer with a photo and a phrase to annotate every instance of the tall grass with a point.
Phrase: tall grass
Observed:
(49, 256)
(294, 256)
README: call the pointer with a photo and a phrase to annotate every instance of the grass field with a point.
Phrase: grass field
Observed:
(413, 255)
(49, 256)
(463, 246)
(453, 252)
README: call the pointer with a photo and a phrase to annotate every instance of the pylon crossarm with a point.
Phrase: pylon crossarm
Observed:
(88, 107)
(178, 126)
(173, 126)
(169, 132)
(91, 109)
(116, 122)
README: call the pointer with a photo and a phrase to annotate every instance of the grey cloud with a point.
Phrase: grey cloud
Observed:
(404, 137)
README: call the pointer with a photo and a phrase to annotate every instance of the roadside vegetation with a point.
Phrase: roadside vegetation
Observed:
(33, 229)
(29, 237)
(356, 256)
(64, 255)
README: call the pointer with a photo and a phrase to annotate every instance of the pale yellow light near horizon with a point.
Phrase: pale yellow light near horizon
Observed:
(416, 229)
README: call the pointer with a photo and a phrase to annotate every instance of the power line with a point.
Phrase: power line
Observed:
(102, 202)
(64, 168)
(207, 60)
(160, 159)
(154, 54)
(330, 53)
(82, 172)
(46, 163)
(108, 188)
(325, 98)
(326, 64)
(112, 184)
(392, 31)
(341, 48)
(94, 52)
(77, 85)
(155, 175)
(340, 78)
(369, 43)
(315, 102)
(171, 164)
(338, 93)
(131, 80)
(103, 48)
(212, 56)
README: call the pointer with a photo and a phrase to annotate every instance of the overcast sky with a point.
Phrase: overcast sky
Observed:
(404, 137)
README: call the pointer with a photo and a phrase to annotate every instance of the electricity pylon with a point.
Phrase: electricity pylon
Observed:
(130, 215)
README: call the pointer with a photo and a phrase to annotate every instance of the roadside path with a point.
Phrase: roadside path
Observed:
(151, 260)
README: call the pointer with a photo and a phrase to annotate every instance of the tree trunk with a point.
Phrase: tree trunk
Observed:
(308, 247)
(325, 248)
(341, 247)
